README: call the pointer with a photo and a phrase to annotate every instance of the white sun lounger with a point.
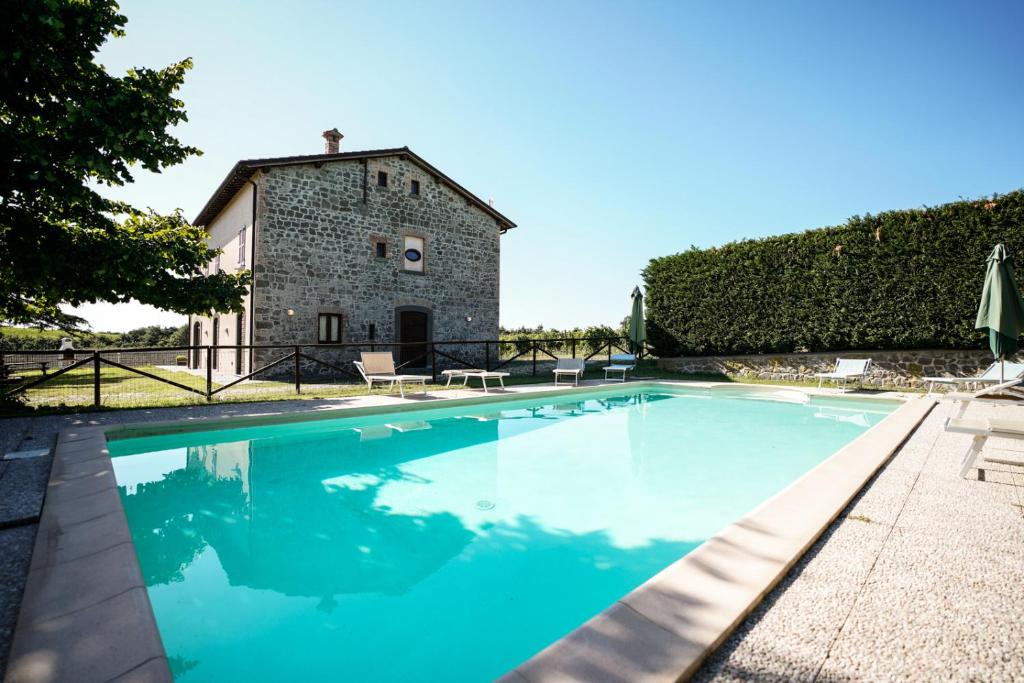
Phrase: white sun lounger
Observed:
(845, 370)
(982, 430)
(1006, 393)
(464, 373)
(379, 366)
(621, 363)
(572, 367)
(484, 375)
(994, 374)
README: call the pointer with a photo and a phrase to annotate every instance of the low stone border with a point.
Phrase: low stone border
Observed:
(664, 629)
(86, 614)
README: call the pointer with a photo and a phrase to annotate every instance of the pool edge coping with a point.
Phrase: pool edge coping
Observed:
(85, 612)
(115, 618)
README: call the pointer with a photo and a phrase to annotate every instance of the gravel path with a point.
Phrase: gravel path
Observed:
(920, 579)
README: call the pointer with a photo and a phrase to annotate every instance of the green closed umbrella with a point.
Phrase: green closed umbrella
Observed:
(1001, 311)
(637, 326)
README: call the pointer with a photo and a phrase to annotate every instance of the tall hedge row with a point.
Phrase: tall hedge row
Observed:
(898, 280)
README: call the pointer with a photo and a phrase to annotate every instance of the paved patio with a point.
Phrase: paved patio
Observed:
(918, 580)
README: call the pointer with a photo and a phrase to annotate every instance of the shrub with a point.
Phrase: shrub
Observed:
(898, 280)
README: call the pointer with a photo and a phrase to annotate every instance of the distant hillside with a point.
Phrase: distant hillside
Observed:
(31, 339)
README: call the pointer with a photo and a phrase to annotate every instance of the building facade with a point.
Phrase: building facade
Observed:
(350, 247)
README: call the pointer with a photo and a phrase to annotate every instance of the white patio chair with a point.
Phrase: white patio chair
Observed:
(994, 374)
(379, 366)
(982, 430)
(621, 363)
(1007, 393)
(572, 367)
(845, 370)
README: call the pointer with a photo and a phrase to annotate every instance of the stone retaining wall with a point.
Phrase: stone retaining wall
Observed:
(888, 368)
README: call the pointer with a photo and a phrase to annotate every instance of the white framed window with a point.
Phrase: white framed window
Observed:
(413, 255)
(241, 246)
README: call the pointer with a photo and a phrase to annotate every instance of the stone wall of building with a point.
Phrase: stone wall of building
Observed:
(316, 254)
(888, 368)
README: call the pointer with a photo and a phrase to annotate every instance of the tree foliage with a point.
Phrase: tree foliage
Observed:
(899, 280)
(33, 339)
(67, 129)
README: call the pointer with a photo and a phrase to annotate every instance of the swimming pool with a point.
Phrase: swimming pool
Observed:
(452, 543)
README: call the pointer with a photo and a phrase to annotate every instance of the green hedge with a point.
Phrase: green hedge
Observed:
(898, 280)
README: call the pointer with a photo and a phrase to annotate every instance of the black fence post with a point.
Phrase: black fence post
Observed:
(433, 363)
(609, 352)
(534, 359)
(487, 356)
(96, 378)
(209, 372)
(298, 372)
(574, 347)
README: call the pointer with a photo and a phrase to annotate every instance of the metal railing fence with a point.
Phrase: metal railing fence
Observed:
(130, 377)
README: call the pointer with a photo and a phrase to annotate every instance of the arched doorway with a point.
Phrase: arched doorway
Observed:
(414, 327)
(197, 339)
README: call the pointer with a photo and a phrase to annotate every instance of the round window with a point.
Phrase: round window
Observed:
(413, 255)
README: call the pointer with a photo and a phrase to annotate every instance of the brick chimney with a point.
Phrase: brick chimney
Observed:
(332, 141)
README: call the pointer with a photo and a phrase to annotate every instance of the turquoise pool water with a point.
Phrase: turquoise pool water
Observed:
(450, 544)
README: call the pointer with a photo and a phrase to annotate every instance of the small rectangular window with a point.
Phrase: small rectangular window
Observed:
(372, 334)
(241, 246)
(329, 328)
(382, 179)
(414, 188)
(381, 249)
(216, 265)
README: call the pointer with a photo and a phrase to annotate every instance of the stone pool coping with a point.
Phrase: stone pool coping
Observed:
(86, 614)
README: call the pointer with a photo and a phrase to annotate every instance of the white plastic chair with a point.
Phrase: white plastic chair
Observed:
(573, 367)
(994, 374)
(621, 363)
(845, 370)
(379, 366)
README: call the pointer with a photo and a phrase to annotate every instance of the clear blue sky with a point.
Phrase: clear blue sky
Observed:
(610, 132)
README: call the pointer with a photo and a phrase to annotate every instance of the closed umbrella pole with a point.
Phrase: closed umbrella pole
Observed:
(1001, 310)
(637, 325)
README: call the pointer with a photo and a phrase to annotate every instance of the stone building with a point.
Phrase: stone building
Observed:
(350, 247)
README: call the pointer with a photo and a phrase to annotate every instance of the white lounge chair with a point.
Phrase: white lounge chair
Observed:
(1010, 392)
(379, 366)
(994, 374)
(572, 367)
(982, 430)
(621, 363)
(845, 370)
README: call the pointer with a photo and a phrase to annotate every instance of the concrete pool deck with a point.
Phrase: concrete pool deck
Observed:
(731, 661)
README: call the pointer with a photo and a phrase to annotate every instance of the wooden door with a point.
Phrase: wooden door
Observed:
(412, 329)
